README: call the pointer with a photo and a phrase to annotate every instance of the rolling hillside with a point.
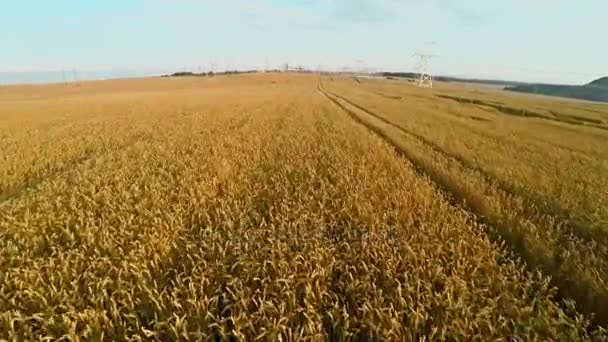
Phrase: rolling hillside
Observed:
(594, 91)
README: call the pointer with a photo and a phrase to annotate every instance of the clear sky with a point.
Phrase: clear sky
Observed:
(562, 41)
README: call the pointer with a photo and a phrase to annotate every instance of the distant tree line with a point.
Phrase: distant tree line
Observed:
(210, 73)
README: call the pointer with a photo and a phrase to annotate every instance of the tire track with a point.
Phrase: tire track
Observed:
(570, 222)
(489, 111)
(551, 116)
(573, 278)
(443, 187)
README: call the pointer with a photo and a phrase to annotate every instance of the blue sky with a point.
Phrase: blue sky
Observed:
(531, 40)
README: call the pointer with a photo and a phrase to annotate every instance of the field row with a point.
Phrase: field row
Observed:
(572, 254)
(264, 214)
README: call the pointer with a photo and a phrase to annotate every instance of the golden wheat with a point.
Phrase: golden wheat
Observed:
(571, 248)
(245, 207)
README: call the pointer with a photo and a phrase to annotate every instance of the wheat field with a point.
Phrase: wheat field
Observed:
(284, 207)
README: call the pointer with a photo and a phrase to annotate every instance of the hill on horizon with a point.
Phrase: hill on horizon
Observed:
(452, 79)
(594, 91)
(600, 82)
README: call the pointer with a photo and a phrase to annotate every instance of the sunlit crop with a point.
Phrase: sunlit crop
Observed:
(266, 207)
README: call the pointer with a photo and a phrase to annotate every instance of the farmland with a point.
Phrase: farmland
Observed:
(300, 207)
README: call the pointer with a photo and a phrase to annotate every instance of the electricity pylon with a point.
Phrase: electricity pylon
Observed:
(75, 77)
(426, 77)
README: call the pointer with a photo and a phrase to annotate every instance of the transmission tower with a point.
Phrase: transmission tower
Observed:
(424, 69)
(361, 67)
(75, 77)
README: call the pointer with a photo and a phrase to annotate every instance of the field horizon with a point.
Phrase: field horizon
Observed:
(285, 206)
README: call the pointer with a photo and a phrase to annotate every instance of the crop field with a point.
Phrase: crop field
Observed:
(284, 207)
